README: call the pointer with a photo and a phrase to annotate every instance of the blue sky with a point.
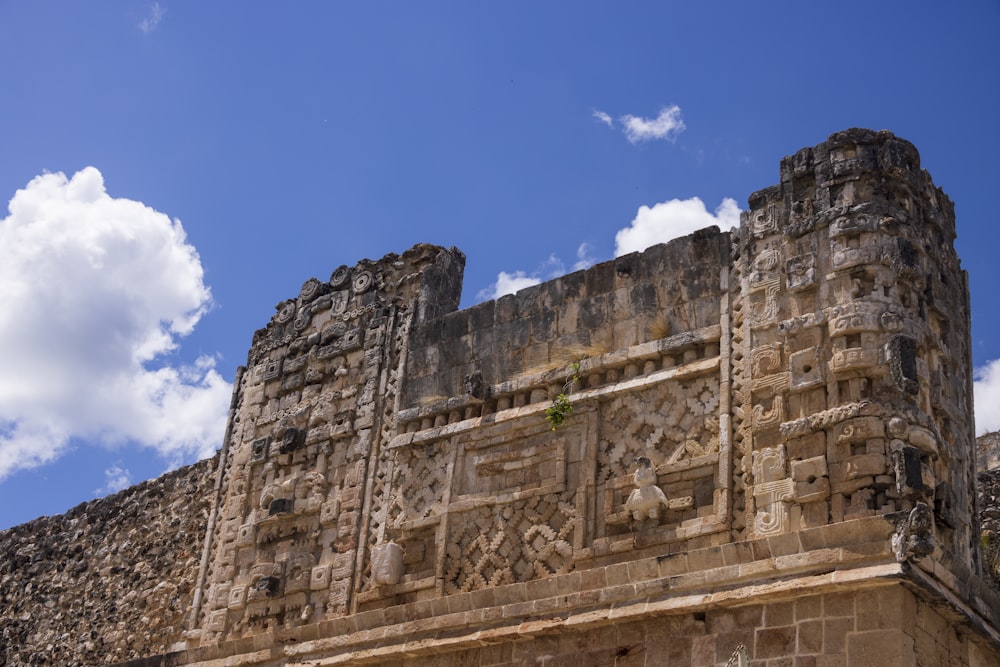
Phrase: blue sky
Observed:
(175, 169)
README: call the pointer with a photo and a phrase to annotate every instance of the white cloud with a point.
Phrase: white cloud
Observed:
(986, 389)
(672, 219)
(553, 267)
(603, 117)
(667, 125)
(508, 283)
(116, 478)
(156, 14)
(657, 224)
(583, 258)
(95, 291)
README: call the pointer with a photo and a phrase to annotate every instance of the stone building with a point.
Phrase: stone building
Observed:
(988, 466)
(747, 447)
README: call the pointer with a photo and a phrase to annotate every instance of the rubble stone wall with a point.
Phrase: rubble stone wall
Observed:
(111, 580)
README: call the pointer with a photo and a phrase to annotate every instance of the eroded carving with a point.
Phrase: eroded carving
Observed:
(646, 498)
(387, 564)
(914, 537)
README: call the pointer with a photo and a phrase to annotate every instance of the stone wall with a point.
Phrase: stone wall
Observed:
(668, 289)
(988, 451)
(760, 437)
(111, 580)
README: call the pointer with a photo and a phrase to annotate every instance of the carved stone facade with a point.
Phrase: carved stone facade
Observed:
(764, 449)
(988, 456)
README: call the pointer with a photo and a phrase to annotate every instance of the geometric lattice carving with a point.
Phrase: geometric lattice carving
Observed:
(419, 479)
(675, 421)
(502, 544)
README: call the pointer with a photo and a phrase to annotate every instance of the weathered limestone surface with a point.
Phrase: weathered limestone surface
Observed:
(111, 580)
(755, 442)
(988, 456)
(988, 452)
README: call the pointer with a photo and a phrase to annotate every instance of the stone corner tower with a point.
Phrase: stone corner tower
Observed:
(853, 393)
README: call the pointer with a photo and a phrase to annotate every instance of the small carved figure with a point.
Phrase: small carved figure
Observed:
(277, 490)
(314, 489)
(473, 384)
(387, 564)
(646, 498)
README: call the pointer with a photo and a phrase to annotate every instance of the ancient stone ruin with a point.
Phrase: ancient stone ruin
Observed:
(748, 447)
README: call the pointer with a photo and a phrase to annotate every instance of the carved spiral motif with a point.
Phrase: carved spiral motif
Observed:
(340, 276)
(285, 311)
(767, 521)
(767, 260)
(362, 282)
(310, 290)
(303, 318)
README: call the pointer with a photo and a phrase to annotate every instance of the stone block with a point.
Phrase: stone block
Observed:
(809, 636)
(859, 429)
(839, 604)
(812, 491)
(617, 574)
(779, 614)
(879, 648)
(807, 447)
(809, 469)
(806, 368)
(808, 608)
(774, 642)
(703, 650)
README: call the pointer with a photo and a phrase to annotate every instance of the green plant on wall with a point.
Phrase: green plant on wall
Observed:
(562, 407)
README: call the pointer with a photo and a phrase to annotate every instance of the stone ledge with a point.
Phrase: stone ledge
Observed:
(425, 436)
(868, 576)
(601, 364)
(853, 553)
